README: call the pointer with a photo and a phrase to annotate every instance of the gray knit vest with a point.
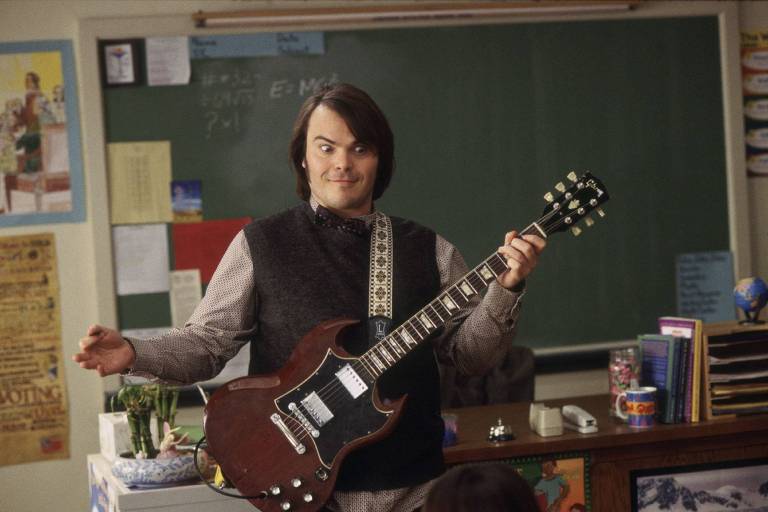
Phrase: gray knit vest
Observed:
(305, 274)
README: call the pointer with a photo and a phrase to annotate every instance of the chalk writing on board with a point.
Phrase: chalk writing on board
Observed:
(704, 286)
(301, 87)
(226, 97)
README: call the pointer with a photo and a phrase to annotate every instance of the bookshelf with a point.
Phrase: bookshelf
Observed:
(735, 369)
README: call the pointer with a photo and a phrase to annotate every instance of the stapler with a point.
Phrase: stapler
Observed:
(579, 420)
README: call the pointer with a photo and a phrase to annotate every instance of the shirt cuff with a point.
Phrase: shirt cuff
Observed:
(146, 362)
(502, 303)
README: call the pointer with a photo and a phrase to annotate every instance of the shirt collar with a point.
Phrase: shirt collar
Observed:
(367, 218)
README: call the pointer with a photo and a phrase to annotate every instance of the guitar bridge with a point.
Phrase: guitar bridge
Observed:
(297, 445)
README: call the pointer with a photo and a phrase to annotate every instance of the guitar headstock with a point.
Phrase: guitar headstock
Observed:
(573, 204)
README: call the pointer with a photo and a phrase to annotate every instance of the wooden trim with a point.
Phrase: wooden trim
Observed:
(402, 12)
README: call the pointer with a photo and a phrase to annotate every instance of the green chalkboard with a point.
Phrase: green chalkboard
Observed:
(487, 119)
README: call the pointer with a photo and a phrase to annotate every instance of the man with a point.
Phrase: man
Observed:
(284, 274)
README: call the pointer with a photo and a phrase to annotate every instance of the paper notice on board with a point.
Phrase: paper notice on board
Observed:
(168, 60)
(141, 258)
(34, 414)
(186, 293)
(705, 286)
(139, 178)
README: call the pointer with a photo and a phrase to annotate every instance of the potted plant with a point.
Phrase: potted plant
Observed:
(147, 465)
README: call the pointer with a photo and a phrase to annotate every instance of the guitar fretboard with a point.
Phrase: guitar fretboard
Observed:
(398, 343)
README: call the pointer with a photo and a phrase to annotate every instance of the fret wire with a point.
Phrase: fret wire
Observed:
(402, 343)
(407, 337)
(416, 324)
(436, 313)
(363, 367)
(444, 313)
(458, 300)
(386, 356)
(500, 264)
(370, 365)
(379, 365)
(421, 315)
(397, 348)
(462, 295)
(468, 282)
(487, 263)
(433, 316)
(408, 328)
(477, 282)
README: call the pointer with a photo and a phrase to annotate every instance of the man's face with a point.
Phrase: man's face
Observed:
(341, 171)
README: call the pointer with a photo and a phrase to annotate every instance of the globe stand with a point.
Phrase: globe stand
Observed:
(752, 318)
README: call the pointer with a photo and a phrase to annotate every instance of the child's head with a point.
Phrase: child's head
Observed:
(487, 487)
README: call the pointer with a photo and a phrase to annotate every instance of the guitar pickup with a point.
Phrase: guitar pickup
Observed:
(317, 409)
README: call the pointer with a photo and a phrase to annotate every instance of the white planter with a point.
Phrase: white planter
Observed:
(154, 472)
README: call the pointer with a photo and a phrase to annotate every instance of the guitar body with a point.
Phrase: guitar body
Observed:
(283, 435)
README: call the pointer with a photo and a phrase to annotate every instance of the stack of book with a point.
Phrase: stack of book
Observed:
(671, 362)
(736, 369)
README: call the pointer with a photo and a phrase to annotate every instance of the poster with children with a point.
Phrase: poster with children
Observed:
(559, 483)
(40, 158)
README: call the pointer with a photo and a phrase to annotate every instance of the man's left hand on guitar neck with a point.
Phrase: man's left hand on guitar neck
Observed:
(522, 255)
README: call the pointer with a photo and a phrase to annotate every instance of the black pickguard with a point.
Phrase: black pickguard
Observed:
(352, 418)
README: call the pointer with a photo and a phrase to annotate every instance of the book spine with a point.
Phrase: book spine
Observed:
(684, 409)
(698, 348)
(655, 362)
(673, 376)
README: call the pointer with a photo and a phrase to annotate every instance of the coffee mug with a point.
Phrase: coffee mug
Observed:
(641, 406)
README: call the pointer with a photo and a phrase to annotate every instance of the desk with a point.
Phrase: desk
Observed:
(615, 449)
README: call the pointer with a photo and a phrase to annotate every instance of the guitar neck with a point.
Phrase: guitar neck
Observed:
(399, 343)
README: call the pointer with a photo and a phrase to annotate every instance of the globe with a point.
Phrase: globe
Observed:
(751, 295)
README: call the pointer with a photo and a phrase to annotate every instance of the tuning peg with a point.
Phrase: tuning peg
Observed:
(572, 176)
(548, 197)
(576, 230)
(560, 187)
(589, 222)
(600, 212)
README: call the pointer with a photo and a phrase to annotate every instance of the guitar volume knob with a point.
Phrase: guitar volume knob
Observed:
(308, 498)
(286, 505)
(275, 490)
(296, 482)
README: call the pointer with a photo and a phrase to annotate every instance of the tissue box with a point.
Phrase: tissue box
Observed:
(114, 434)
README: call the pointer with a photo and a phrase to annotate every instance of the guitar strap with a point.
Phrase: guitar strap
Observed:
(380, 279)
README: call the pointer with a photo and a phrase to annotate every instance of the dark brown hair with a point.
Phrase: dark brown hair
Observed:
(365, 120)
(488, 487)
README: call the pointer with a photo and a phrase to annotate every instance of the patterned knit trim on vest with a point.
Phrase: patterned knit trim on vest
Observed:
(380, 288)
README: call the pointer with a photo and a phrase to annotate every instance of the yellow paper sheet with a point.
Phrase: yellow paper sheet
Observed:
(139, 182)
(34, 415)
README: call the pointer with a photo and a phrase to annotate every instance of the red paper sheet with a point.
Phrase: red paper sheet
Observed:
(202, 244)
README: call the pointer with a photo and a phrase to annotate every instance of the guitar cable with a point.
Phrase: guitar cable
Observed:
(260, 496)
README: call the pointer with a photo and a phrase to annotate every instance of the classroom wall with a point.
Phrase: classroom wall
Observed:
(62, 485)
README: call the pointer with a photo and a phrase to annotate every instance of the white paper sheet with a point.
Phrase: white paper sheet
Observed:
(168, 60)
(141, 258)
(186, 292)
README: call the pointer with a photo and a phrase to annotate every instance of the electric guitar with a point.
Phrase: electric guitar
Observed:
(280, 438)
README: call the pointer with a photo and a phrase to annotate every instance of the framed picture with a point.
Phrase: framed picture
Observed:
(727, 486)
(560, 481)
(41, 168)
(120, 62)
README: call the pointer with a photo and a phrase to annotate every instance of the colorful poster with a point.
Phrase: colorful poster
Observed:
(560, 483)
(40, 162)
(34, 416)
